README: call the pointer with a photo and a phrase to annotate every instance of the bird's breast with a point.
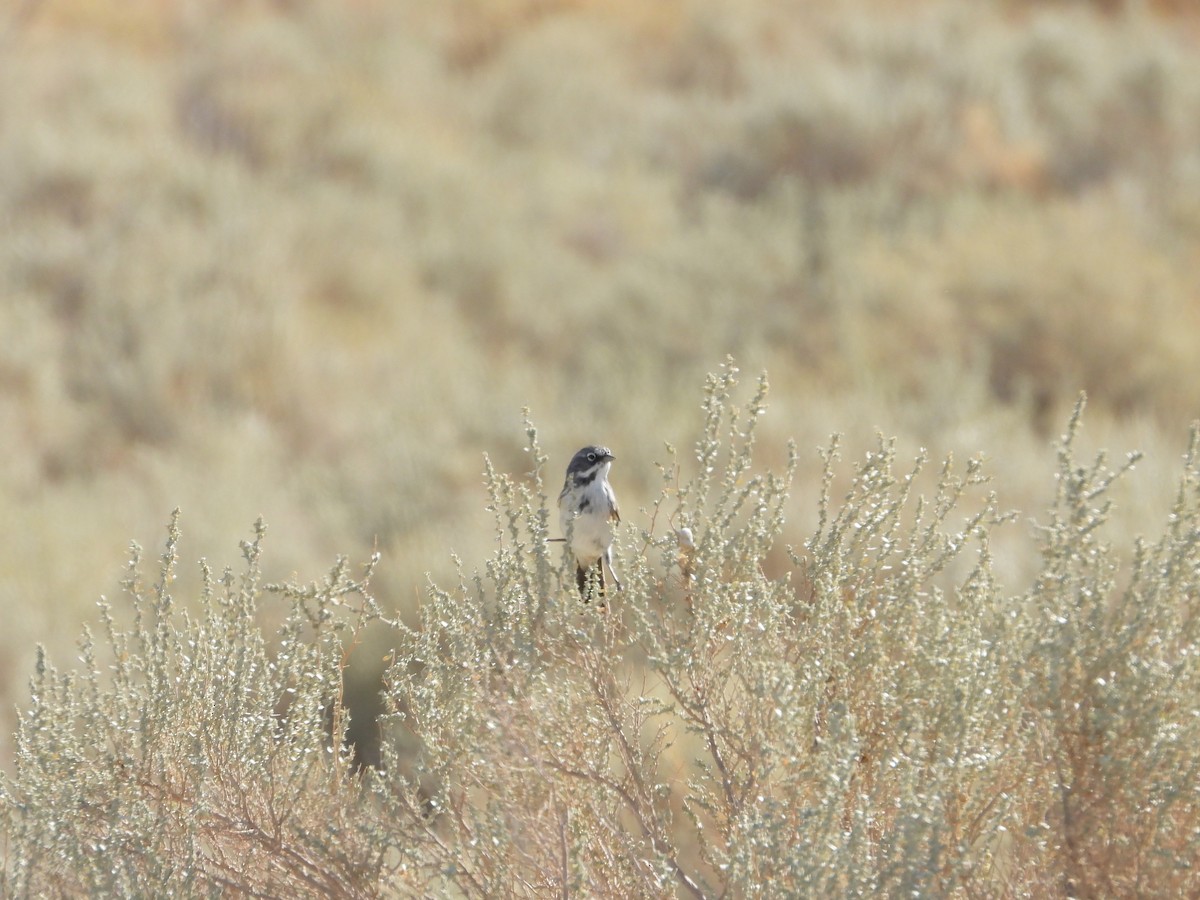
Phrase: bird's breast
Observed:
(584, 514)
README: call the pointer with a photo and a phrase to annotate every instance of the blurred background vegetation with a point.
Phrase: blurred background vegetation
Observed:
(309, 259)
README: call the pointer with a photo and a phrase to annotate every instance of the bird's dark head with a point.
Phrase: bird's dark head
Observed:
(588, 461)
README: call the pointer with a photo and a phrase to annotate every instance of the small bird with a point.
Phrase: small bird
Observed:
(587, 510)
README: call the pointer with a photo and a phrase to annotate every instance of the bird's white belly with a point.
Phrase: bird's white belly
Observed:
(590, 532)
(590, 537)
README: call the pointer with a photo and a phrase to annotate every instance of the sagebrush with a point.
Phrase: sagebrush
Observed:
(871, 712)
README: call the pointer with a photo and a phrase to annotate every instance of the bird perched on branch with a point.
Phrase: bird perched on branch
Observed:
(587, 509)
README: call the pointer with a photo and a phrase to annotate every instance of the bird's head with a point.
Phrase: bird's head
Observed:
(589, 461)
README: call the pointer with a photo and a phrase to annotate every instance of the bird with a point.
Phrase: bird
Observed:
(588, 513)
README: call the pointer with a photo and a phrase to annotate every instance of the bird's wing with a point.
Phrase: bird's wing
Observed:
(614, 512)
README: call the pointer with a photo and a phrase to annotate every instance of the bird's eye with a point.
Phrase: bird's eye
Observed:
(591, 457)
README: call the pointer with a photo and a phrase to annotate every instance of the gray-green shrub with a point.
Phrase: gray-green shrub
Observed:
(869, 713)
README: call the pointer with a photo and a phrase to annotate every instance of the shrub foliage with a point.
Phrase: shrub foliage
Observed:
(868, 713)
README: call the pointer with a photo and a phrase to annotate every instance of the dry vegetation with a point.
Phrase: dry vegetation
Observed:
(309, 260)
(885, 719)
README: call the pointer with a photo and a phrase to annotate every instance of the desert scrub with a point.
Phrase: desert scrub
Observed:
(883, 718)
(1113, 686)
(191, 755)
(869, 712)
